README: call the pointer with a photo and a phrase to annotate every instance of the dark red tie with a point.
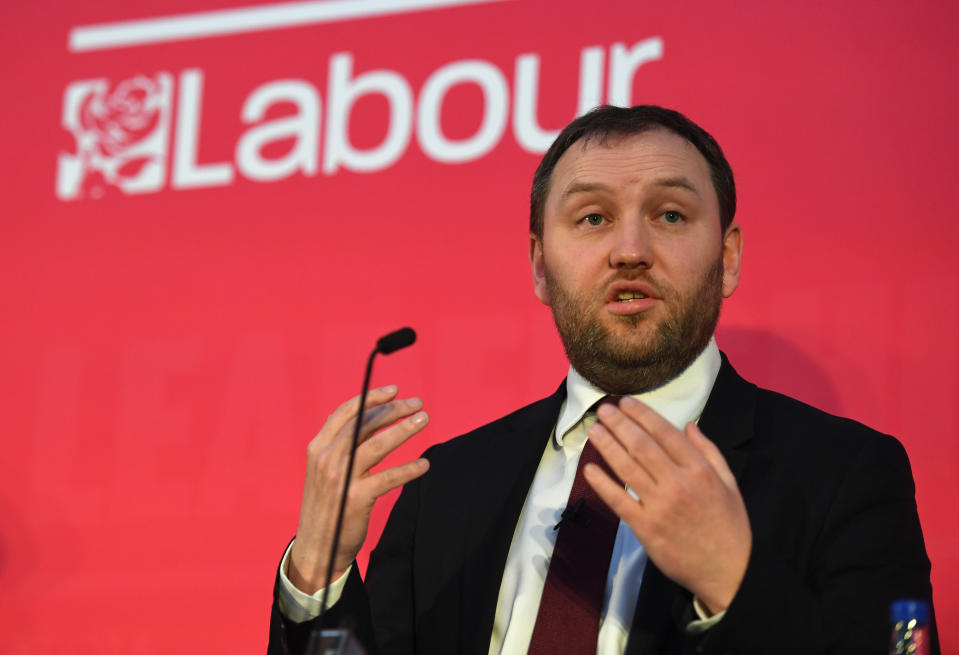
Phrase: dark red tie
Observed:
(569, 611)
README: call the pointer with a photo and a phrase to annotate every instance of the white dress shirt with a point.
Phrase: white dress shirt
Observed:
(680, 401)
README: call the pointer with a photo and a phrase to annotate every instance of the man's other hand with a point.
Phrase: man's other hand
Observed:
(690, 516)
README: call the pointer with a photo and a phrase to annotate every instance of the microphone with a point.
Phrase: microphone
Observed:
(574, 514)
(390, 343)
(396, 341)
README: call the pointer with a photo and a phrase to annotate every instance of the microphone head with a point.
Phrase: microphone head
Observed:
(396, 340)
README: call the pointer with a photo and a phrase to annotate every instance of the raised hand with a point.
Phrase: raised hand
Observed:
(690, 516)
(326, 462)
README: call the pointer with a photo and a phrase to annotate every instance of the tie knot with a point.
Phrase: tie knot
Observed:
(590, 416)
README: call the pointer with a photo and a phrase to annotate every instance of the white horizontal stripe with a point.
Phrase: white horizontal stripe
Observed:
(247, 19)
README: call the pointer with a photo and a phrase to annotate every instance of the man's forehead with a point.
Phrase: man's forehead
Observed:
(654, 155)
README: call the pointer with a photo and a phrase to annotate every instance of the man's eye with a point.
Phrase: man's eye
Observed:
(672, 217)
(594, 219)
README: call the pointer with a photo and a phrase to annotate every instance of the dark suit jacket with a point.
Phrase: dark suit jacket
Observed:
(836, 539)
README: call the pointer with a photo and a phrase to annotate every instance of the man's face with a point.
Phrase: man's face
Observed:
(632, 260)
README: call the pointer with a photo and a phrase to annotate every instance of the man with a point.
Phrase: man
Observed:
(747, 522)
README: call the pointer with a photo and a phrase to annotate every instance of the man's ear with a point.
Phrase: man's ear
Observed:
(538, 268)
(732, 258)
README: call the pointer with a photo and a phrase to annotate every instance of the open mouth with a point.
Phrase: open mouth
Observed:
(628, 296)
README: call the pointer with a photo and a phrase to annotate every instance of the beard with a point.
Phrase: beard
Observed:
(619, 364)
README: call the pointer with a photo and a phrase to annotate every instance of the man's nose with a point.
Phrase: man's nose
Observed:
(632, 247)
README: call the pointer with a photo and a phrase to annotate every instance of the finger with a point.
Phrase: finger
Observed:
(388, 479)
(349, 409)
(640, 445)
(673, 442)
(712, 454)
(622, 463)
(614, 495)
(380, 416)
(376, 448)
(374, 419)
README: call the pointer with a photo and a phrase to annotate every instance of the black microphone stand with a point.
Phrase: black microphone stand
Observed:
(340, 641)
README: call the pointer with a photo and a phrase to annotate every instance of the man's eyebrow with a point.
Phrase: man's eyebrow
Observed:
(677, 182)
(585, 187)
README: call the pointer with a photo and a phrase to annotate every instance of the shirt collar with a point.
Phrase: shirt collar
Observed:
(680, 400)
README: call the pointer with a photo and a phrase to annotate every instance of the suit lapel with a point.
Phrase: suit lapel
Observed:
(727, 420)
(510, 458)
(729, 416)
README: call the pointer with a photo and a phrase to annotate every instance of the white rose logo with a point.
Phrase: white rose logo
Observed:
(121, 136)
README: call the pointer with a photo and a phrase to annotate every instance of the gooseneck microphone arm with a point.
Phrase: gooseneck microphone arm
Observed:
(388, 344)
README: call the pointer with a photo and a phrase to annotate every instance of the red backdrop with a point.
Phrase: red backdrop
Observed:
(204, 232)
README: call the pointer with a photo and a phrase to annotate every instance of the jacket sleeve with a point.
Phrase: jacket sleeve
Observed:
(351, 612)
(379, 612)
